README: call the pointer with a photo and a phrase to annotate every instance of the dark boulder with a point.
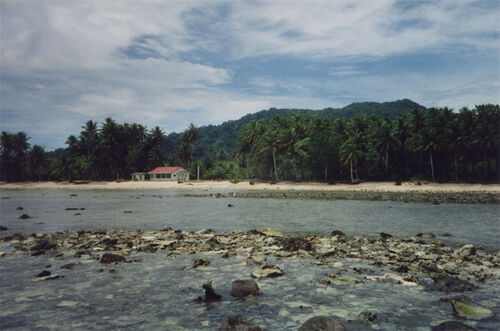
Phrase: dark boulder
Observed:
(384, 235)
(3, 228)
(43, 245)
(230, 205)
(447, 283)
(337, 233)
(368, 316)
(210, 294)
(452, 326)
(212, 242)
(44, 273)
(295, 244)
(72, 208)
(238, 323)
(200, 263)
(426, 235)
(244, 288)
(256, 232)
(24, 216)
(19, 208)
(108, 258)
(322, 323)
(447, 235)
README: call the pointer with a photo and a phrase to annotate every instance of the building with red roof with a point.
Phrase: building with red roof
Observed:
(163, 173)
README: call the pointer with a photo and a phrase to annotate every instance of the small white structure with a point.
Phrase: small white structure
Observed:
(169, 173)
(140, 176)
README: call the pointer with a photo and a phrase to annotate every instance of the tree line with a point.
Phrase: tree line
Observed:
(437, 144)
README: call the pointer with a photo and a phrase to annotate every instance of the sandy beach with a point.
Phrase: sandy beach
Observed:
(245, 186)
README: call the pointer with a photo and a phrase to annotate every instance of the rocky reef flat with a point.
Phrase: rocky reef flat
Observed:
(419, 262)
(472, 197)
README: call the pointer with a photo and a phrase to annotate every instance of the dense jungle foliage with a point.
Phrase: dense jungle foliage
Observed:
(281, 144)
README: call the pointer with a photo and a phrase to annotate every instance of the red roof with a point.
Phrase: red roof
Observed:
(164, 170)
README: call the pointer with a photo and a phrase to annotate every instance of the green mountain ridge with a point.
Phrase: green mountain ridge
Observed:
(213, 138)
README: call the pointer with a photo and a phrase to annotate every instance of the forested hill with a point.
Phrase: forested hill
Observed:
(214, 138)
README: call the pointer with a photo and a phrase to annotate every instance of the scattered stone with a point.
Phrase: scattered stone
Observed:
(393, 279)
(452, 326)
(19, 208)
(384, 235)
(3, 228)
(77, 214)
(2, 254)
(73, 266)
(238, 323)
(25, 216)
(340, 280)
(73, 195)
(251, 182)
(45, 275)
(268, 271)
(447, 235)
(398, 183)
(368, 316)
(272, 233)
(243, 288)
(230, 205)
(322, 323)
(445, 283)
(436, 202)
(426, 235)
(295, 244)
(469, 310)
(127, 212)
(210, 294)
(40, 246)
(108, 258)
(200, 263)
(337, 233)
(72, 208)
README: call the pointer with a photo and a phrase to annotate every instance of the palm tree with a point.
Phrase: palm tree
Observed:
(351, 152)
(385, 142)
(456, 141)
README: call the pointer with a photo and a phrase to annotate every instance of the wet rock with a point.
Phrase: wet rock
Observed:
(127, 212)
(230, 205)
(212, 242)
(73, 195)
(238, 323)
(73, 266)
(2, 254)
(256, 259)
(426, 235)
(72, 208)
(210, 294)
(3, 228)
(447, 283)
(452, 326)
(268, 271)
(45, 275)
(447, 235)
(295, 244)
(256, 232)
(272, 233)
(368, 316)
(337, 233)
(243, 288)
(109, 258)
(200, 263)
(340, 280)
(77, 214)
(40, 246)
(25, 216)
(19, 208)
(322, 323)
(394, 279)
(469, 310)
(384, 235)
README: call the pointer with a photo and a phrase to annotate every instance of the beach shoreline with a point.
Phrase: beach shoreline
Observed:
(424, 187)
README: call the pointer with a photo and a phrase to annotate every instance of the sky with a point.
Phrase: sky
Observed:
(170, 63)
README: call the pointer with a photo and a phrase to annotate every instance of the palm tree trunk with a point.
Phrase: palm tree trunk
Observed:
(275, 169)
(352, 177)
(326, 172)
(432, 165)
(456, 167)
(386, 160)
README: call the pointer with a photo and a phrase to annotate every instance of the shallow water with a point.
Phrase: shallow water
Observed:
(154, 209)
(158, 292)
